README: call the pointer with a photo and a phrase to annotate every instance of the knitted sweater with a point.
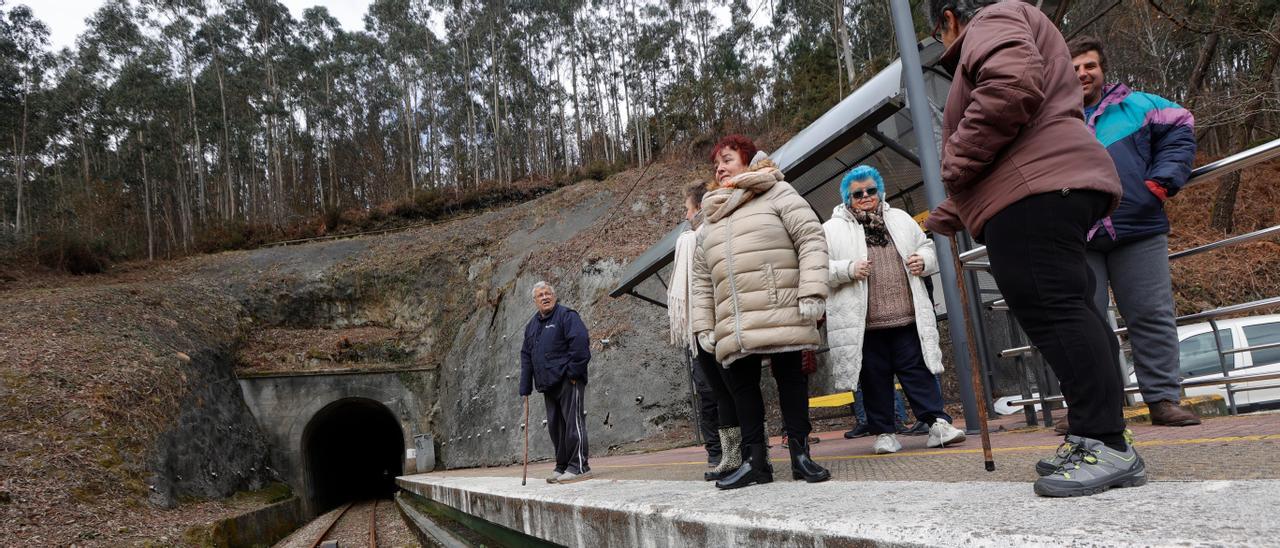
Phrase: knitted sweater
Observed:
(890, 304)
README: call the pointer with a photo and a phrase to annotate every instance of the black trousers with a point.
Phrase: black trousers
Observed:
(890, 352)
(708, 412)
(566, 425)
(1037, 251)
(725, 413)
(743, 379)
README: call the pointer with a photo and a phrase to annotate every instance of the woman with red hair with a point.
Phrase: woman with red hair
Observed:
(759, 288)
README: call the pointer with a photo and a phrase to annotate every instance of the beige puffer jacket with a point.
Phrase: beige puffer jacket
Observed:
(761, 249)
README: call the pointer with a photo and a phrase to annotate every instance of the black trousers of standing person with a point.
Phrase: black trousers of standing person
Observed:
(1037, 251)
(896, 351)
(718, 410)
(708, 413)
(566, 425)
(743, 379)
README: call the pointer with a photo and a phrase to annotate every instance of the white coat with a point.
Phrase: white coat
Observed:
(847, 306)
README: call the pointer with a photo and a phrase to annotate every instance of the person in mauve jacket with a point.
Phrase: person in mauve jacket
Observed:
(1025, 177)
(554, 361)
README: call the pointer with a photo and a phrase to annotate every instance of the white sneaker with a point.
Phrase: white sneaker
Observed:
(942, 433)
(887, 443)
(554, 477)
(570, 477)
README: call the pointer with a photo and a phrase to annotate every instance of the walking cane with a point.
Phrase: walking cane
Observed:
(525, 477)
(975, 373)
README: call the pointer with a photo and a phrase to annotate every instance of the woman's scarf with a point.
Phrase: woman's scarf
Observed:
(873, 224)
(678, 290)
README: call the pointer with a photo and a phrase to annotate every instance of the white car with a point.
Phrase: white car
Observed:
(1198, 354)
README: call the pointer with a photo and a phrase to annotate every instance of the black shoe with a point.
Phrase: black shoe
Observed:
(802, 465)
(755, 469)
(859, 431)
(917, 429)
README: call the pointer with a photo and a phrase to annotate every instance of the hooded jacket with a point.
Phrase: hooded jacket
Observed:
(760, 250)
(1013, 126)
(1150, 138)
(847, 308)
(555, 348)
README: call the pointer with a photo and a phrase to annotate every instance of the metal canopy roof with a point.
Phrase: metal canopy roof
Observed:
(871, 126)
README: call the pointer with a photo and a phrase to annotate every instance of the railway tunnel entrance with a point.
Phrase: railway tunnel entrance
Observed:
(354, 450)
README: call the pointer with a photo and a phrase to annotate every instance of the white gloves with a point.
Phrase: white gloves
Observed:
(707, 340)
(812, 308)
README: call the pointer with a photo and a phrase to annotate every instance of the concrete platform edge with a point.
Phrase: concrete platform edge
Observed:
(681, 513)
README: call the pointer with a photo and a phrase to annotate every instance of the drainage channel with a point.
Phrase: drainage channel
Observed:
(442, 525)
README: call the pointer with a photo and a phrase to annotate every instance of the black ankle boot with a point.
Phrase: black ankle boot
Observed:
(802, 465)
(755, 469)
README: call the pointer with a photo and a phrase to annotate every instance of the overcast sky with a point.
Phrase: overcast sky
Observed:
(65, 18)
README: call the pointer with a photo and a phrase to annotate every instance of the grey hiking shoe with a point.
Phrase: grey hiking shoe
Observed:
(1091, 468)
(1047, 465)
(570, 477)
(555, 476)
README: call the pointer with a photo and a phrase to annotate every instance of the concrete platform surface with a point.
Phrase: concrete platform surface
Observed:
(657, 513)
(1214, 484)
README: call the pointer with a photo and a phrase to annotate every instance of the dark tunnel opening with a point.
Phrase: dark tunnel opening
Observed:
(354, 452)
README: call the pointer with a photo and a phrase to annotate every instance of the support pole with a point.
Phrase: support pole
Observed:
(931, 167)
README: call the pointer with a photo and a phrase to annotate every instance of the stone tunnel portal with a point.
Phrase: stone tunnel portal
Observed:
(353, 449)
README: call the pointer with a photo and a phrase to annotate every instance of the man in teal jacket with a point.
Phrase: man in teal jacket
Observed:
(1153, 144)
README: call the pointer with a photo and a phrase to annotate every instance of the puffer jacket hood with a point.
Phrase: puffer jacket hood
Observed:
(759, 252)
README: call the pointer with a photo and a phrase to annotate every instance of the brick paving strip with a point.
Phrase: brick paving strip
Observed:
(1223, 448)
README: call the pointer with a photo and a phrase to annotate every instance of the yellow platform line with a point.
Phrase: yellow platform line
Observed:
(972, 451)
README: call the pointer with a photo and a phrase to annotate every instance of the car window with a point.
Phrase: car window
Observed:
(1199, 354)
(1265, 333)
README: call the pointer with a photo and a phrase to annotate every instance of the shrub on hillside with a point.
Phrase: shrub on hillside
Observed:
(232, 235)
(73, 252)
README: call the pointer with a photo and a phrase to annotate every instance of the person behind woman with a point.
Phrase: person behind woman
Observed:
(759, 287)
(881, 321)
(721, 411)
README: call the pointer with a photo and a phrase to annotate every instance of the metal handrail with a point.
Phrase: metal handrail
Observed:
(1215, 313)
(1000, 304)
(1255, 235)
(1212, 170)
(1185, 384)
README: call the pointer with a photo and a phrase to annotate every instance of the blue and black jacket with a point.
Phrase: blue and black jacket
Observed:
(556, 347)
(1150, 139)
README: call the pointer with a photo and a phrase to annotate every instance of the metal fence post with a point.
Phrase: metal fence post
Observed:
(1222, 363)
(904, 31)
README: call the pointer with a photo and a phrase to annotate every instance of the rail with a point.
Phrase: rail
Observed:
(1215, 313)
(1207, 172)
(1254, 377)
(971, 261)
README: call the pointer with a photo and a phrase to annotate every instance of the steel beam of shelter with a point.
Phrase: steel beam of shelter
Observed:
(930, 166)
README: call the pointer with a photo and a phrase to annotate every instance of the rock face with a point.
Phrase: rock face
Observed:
(459, 295)
(215, 447)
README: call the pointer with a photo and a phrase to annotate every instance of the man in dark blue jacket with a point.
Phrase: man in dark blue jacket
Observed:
(1153, 144)
(554, 360)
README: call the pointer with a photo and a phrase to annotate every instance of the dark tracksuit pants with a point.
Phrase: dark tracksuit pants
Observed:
(1037, 251)
(566, 425)
(890, 352)
(718, 410)
(743, 380)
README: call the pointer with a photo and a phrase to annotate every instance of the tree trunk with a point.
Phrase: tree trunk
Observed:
(846, 46)
(1222, 216)
(146, 197)
(1207, 53)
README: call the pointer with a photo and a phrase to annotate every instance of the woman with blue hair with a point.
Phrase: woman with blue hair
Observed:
(880, 320)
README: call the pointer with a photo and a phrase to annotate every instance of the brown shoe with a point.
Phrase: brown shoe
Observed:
(1167, 413)
(1060, 428)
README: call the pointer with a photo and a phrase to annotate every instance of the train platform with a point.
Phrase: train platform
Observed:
(1213, 484)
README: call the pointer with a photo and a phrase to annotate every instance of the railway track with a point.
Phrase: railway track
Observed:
(355, 523)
